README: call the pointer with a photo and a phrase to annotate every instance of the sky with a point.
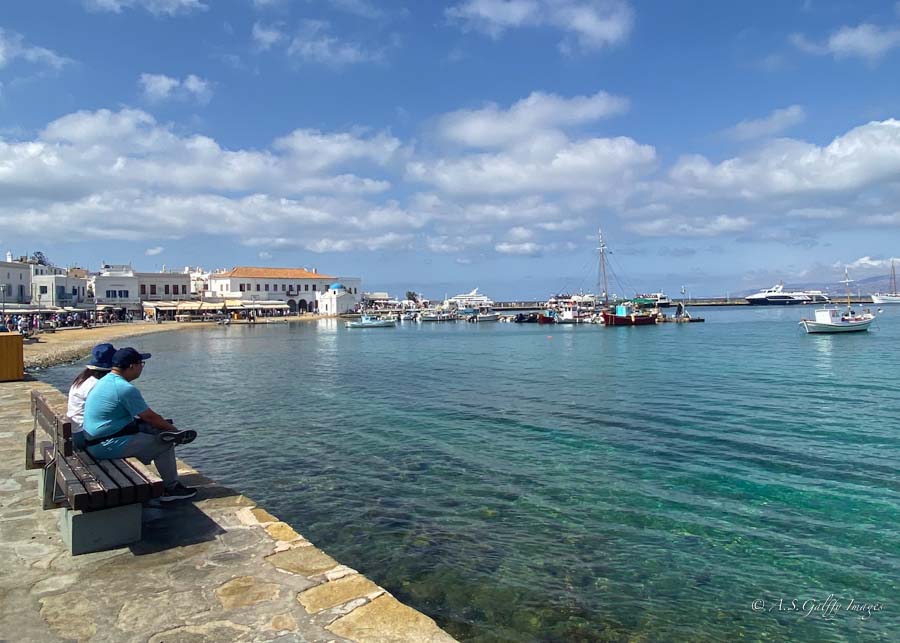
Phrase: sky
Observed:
(440, 146)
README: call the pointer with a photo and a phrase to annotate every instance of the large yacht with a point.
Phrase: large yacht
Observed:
(776, 296)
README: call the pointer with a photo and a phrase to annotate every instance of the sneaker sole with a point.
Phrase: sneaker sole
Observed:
(179, 437)
(185, 496)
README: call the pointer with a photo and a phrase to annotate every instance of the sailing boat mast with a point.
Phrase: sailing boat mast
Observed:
(601, 268)
(848, 281)
(893, 278)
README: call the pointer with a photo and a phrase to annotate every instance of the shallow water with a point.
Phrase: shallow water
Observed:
(523, 482)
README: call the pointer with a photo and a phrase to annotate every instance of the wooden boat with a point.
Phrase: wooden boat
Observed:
(369, 321)
(830, 319)
(627, 314)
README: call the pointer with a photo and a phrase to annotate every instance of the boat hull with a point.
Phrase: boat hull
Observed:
(813, 327)
(886, 299)
(611, 319)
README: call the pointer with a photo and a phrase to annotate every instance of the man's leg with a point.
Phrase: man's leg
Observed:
(146, 448)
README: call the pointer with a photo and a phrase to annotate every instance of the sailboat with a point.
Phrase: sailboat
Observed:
(831, 319)
(624, 313)
(892, 297)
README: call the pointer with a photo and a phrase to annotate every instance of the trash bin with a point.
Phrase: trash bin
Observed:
(12, 361)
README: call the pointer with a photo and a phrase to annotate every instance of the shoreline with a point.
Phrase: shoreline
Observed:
(64, 346)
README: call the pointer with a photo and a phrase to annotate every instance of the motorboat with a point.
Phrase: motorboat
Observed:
(892, 297)
(831, 319)
(437, 315)
(370, 321)
(777, 296)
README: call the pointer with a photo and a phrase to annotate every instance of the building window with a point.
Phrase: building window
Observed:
(241, 286)
(143, 289)
(75, 290)
(110, 294)
(267, 287)
(306, 287)
(314, 287)
(152, 289)
(183, 289)
(166, 289)
(43, 290)
(257, 287)
(283, 287)
(123, 294)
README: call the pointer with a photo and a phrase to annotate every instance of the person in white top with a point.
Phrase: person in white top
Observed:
(100, 365)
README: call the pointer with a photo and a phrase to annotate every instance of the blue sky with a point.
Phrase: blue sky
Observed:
(440, 146)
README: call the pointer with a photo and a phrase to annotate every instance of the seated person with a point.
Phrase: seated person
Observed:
(94, 371)
(118, 423)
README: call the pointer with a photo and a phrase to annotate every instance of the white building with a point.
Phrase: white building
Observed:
(52, 286)
(297, 288)
(164, 286)
(116, 286)
(336, 300)
(199, 280)
(15, 281)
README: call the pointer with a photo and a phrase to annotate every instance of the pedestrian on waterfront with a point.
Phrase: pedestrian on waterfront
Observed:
(94, 370)
(118, 423)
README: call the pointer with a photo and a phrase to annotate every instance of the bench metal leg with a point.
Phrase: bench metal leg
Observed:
(89, 531)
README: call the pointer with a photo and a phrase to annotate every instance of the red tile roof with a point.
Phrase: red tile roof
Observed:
(251, 272)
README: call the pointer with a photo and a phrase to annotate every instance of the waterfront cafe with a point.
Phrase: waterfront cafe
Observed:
(186, 311)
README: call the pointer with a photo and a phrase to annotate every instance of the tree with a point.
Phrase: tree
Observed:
(410, 295)
(40, 258)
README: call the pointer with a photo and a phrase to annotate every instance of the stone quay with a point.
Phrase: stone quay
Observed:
(216, 568)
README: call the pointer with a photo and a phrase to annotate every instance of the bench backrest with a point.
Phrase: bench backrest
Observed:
(58, 428)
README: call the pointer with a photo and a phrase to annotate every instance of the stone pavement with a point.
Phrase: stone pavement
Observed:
(217, 568)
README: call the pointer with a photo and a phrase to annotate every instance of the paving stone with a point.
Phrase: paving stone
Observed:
(302, 560)
(211, 632)
(246, 591)
(337, 592)
(387, 620)
(282, 531)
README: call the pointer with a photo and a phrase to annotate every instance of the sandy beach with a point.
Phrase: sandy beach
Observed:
(52, 348)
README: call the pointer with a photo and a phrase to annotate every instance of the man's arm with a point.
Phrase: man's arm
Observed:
(155, 420)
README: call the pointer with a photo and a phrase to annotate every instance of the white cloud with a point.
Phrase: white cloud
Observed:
(451, 244)
(690, 226)
(771, 125)
(155, 7)
(529, 249)
(867, 41)
(266, 37)
(265, 255)
(159, 87)
(13, 47)
(152, 252)
(314, 44)
(492, 126)
(519, 234)
(587, 24)
(865, 156)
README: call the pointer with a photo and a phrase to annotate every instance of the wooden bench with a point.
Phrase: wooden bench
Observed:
(101, 499)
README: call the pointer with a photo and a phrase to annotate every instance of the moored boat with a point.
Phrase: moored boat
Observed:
(831, 319)
(627, 314)
(777, 296)
(370, 321)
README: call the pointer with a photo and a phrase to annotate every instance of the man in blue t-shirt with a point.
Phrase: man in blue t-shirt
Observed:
(118, 423)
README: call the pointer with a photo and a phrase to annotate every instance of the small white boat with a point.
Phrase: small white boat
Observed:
(437, 316)
(368, 321)
(835, 320)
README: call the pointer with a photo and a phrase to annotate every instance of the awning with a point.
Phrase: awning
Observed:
(271, 306)
(188, 305)
(234, 303)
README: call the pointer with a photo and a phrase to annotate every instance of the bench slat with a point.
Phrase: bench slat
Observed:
(95, 490)
(127, 493)
(71, 487)
(110, 488)
(139, 484)
(154, 484)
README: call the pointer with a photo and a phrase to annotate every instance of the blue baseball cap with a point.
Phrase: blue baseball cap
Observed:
(125, 357)
(101, 357)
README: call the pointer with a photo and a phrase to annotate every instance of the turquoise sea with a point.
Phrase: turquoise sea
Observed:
(732, 480)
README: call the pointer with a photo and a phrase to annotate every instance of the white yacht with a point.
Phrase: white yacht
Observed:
(469, 301)
(777, 296)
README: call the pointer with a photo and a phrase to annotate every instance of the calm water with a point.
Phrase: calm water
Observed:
(522, 482)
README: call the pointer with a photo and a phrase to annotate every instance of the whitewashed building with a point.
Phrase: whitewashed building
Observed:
(336, 300)
(294, 289)
(53, 286)
(164, 286)
(116, 286)
(15, 281)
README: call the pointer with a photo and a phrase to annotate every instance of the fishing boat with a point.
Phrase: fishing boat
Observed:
(370, 321)
(628, 314)
(892, 297)
(623, 313)
(437, 315)
(830, 319)
(653, 300)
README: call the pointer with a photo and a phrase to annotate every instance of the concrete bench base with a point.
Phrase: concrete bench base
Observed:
(89, 531)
